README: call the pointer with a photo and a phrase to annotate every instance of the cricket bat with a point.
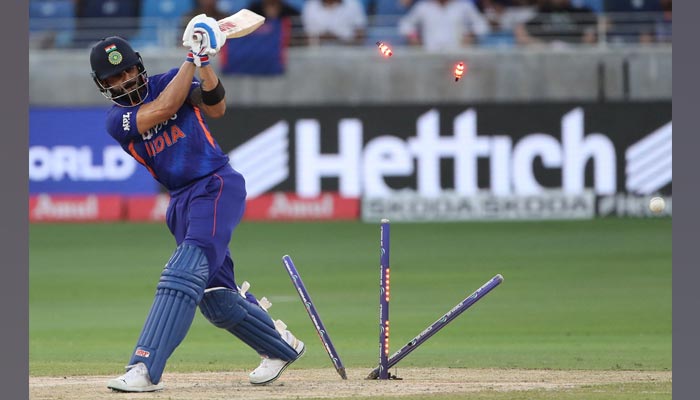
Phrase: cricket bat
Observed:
(240, 24)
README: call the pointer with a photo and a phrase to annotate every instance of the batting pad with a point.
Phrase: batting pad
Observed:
(227, 309)
(179, 290)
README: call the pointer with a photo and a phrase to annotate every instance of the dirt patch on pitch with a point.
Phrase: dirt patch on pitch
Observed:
(325, 383)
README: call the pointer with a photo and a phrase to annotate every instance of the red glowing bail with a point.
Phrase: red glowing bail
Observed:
(459, 71)
(384, 49)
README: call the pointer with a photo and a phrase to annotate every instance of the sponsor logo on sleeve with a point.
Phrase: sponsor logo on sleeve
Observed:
(126, 121)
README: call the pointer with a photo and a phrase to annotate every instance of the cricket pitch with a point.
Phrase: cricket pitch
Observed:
(325, 383)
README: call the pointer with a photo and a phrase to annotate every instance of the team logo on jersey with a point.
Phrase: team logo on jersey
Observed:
(163, 140)
(115, 57)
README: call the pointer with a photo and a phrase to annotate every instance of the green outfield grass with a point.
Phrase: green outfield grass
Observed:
(577, 295)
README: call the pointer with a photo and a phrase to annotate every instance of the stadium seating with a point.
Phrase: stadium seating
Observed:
(596, 6)
(52, 21)
(232, 6)
(498, 39)
(389, 7)
(160, 21)
(101, 18)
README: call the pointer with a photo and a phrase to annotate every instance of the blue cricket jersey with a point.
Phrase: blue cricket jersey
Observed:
(177, 151)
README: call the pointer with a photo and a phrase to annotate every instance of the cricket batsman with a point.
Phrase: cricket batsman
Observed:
(160, 121)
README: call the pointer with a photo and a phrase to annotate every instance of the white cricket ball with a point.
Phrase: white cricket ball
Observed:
(657, 204)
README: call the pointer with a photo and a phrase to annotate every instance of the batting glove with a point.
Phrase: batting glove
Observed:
(212, 39)
(188, 35)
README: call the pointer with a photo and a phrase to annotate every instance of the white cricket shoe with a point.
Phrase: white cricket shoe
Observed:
(271, 368)
(135, 379)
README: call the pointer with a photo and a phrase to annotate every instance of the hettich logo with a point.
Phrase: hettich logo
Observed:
(649, 162)
(362, 168)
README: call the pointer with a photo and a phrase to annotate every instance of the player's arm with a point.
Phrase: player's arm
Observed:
(210, 94)
(213, 100)
(168, 101)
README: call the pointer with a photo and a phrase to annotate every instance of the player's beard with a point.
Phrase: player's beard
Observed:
(131, 92)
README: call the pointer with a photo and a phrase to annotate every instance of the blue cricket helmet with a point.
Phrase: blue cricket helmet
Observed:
(111, 56)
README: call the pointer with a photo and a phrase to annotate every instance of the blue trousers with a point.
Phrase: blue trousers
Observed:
(205, 214)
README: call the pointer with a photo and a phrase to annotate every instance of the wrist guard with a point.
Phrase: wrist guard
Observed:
(199, 61)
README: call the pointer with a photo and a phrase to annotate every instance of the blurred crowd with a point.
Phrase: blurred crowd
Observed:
(435, 25)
